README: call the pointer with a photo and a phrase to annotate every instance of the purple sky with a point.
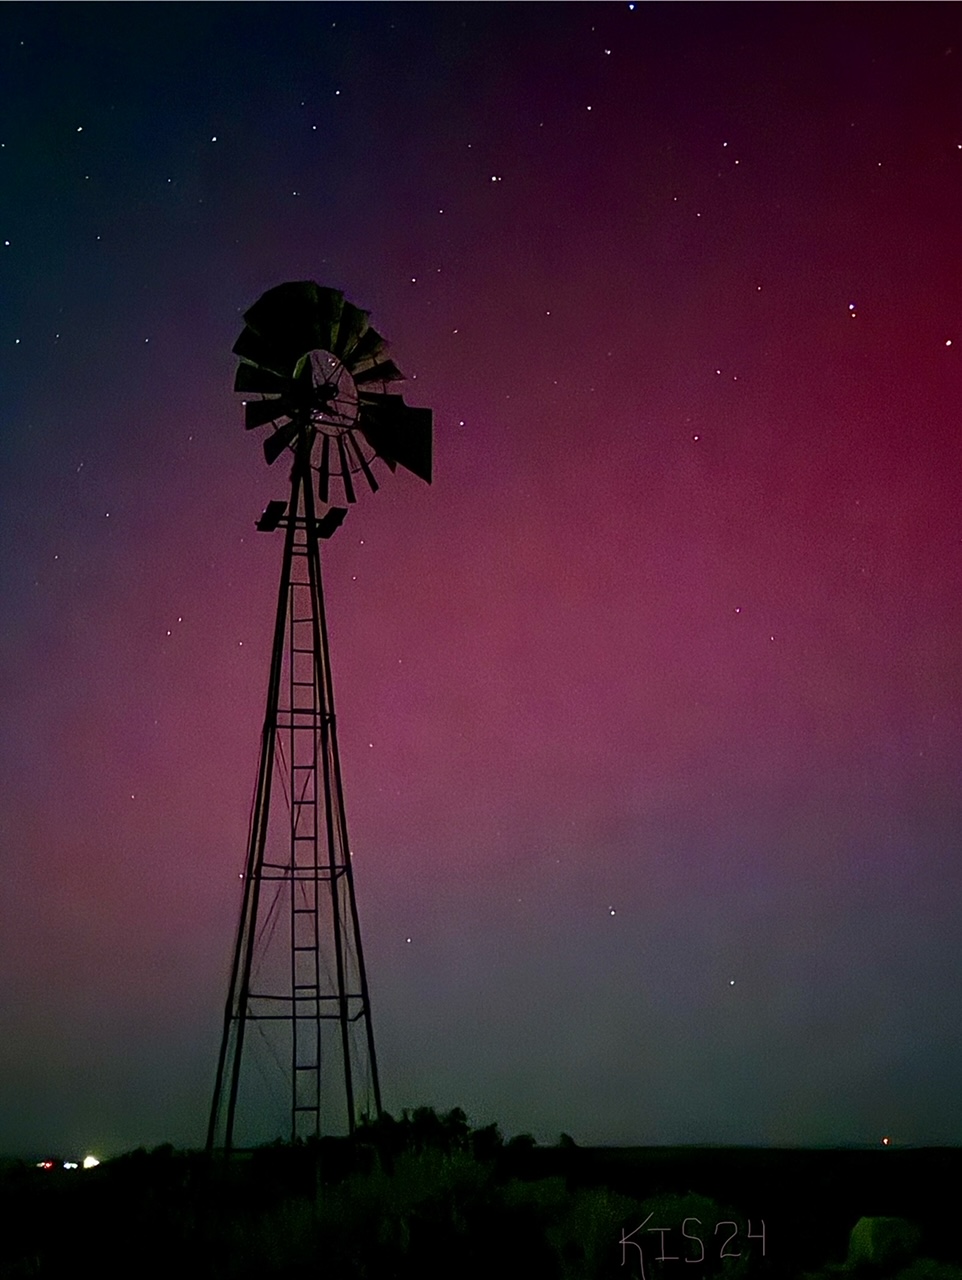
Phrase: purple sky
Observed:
(650, 708)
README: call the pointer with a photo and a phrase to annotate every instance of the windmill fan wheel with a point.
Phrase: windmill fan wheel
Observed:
(321, 374)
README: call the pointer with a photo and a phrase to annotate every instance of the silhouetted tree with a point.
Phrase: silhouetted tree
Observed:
(456, 1129)
(521, 1142)
(486, 1142)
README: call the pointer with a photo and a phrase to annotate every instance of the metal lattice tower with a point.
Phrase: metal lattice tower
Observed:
(298, 983)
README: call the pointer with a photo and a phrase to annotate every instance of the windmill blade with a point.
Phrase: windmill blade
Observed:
(277, 354)
(345, 471)
(285, 309)
(387, 371)
(324, 475)
(298, 316)
(329, 308)
(255, 349)
(300, 389)
(257, 412)
(275, 445)
(368, 348)
(362, 462)
(252, 378)
(396, 430)
(295, 299)
(352, 327)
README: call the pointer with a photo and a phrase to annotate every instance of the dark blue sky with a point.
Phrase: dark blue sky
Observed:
(649, 707)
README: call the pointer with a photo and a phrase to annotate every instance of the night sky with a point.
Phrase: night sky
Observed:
(650, 707)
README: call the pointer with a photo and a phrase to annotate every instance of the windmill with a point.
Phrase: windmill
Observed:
(314, 372)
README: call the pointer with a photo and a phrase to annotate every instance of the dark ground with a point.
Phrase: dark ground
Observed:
(470, 1205)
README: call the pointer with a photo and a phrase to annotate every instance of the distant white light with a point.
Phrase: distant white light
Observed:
(948, 342)
(90, 1162)
(886, 1142)
(71, 1164)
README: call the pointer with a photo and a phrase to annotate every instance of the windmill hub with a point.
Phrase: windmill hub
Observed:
(330, 392)
(315, 361)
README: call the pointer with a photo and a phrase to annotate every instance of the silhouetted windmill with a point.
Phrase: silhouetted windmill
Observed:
(298, 982)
